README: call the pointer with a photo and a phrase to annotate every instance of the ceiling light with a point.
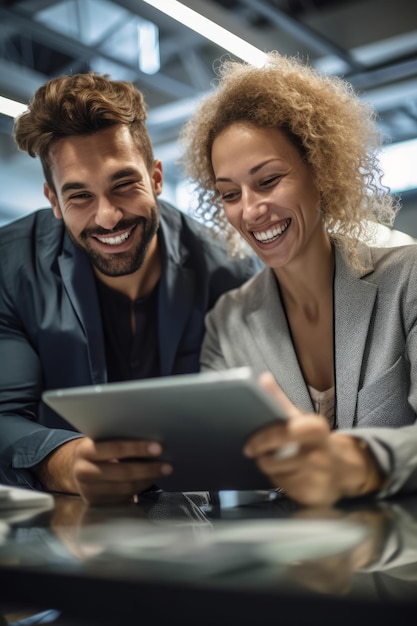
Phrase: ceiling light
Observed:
(148, 42)
(212, 31)
(11, 107)
(398, 163)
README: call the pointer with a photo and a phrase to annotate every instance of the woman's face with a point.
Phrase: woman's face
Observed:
(268, 193)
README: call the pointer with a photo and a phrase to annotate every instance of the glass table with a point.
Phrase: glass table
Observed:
(210, 558)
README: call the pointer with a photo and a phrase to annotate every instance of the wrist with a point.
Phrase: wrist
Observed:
(55, 471)
(358, 472)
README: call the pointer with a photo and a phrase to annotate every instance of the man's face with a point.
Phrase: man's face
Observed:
(107, 198)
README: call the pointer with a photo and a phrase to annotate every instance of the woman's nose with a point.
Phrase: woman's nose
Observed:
(254, 205)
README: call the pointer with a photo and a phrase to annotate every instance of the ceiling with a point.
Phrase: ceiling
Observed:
(373, 43)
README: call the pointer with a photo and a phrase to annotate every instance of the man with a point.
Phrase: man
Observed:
(112, 284)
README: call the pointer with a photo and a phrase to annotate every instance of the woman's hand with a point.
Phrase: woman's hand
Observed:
(313, 465)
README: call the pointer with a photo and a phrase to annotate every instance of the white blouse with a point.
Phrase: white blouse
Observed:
(323, 402)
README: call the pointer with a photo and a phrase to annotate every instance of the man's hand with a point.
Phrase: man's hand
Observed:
(313, 465)
(105, 472)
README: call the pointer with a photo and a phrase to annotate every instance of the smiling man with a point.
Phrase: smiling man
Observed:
(112, 284)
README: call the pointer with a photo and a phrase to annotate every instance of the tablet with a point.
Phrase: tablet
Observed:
(202, 421)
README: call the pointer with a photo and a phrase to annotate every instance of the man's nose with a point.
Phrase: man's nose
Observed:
(108, 215)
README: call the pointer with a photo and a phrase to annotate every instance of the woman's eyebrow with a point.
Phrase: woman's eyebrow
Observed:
(252, 171)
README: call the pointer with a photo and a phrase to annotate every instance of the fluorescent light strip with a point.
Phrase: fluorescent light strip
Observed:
(398, 163)
(148, 43)
(212, 31)
(11, 107)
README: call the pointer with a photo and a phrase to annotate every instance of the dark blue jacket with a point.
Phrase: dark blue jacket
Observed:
(51, 332)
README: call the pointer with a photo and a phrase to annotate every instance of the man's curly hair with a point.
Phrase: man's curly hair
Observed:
(334, 130)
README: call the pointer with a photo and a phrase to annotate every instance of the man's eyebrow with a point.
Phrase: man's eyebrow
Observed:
(127, 171)
(72, 185)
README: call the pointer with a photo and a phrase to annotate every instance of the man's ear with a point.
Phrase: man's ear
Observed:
(53, 201)
(157, 177)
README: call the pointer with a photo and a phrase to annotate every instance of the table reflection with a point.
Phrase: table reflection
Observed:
(363, 550)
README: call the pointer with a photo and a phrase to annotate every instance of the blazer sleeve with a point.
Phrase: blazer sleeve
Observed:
(395, 449)
(23, 441)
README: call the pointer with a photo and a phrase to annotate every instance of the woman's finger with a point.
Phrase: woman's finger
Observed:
(268, 382)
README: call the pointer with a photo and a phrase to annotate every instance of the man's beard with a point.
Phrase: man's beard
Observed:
(123, 263)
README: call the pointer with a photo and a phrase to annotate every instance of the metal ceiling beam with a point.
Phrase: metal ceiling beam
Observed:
(34, 30)
(234, 22)
(387, 73)
(302, 32)
(17, 82)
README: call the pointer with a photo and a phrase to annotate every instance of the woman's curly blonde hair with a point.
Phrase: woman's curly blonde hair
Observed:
(333, 129)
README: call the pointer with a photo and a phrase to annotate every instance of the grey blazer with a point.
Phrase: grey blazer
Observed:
(375, 320)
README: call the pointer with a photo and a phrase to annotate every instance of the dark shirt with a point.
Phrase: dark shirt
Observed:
(129, 355)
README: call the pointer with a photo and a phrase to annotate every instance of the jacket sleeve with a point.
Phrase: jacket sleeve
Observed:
(23, 441)
(395, 449)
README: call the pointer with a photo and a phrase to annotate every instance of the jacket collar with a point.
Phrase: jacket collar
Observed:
(176, 287)
(354, 298)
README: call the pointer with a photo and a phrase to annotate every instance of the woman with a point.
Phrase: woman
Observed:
(286, 158)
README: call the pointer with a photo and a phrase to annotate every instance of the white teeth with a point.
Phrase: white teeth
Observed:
(271, 233)
(114, 241)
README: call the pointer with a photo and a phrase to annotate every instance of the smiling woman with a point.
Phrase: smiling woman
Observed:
(333, 131)
(257, 168)
(286, 159)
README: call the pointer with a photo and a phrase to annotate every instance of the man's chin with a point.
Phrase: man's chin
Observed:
(114, 271)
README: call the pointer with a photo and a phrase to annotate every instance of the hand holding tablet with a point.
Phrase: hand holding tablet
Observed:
(202, 421)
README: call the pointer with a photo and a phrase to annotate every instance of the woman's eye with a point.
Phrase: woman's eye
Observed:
(269, 182)
(229, 196)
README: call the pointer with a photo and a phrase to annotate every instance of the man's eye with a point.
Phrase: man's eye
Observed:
(126, 184)
(80, 196)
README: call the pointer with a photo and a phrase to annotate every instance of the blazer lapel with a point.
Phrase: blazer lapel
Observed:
(354, 301)
(268, 324)
(176, 294)
(80, 286)
(176, 291)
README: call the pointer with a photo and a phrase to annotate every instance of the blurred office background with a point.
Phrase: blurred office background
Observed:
(372, 43)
